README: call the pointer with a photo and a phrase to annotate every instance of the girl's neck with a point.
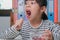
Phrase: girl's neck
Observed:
(35, 23)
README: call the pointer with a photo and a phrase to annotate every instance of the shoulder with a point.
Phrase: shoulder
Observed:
(48, 22)
(51, 24)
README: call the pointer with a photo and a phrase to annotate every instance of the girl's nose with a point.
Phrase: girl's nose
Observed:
(28, 5)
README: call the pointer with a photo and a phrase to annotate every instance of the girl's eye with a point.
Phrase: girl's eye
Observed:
(29, 2)
(32, 3)
(25, 3)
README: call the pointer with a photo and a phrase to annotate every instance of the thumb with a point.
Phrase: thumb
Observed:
(20, 22)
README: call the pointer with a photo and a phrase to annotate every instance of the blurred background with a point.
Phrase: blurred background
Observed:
(11, 10)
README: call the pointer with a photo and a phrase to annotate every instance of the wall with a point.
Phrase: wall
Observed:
(4, 23)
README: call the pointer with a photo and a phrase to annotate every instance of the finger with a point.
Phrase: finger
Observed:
(48, 32)
(42, 38)
(46, 38)
(18, 27)
(47, 35)
(19, 24)
(21, 21)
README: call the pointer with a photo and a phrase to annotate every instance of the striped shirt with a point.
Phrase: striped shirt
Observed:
(28, 32)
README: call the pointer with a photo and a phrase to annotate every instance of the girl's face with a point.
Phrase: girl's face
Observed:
(33, 10)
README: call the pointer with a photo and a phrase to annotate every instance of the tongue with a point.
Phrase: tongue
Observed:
(28, 13)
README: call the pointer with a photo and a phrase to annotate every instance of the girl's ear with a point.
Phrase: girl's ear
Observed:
(43, 9)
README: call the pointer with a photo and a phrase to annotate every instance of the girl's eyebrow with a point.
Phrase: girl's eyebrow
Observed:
(29, 0)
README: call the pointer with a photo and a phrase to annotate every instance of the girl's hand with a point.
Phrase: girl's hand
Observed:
(47, 35)
(18, 24)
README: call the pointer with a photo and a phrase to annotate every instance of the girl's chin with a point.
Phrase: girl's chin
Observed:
(28, 16)
(30, 19)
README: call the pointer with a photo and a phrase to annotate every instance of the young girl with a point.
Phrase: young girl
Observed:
(38, 27)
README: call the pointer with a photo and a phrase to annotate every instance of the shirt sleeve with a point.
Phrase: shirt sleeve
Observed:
(56, 32)
(10, 33)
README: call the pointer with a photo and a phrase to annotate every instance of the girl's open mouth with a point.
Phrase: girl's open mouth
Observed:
(28, 12)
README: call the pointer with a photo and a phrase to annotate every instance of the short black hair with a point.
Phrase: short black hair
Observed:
(41, 4)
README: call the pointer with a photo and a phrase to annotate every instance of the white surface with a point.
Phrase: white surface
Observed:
(4, 24)
(5, 4)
